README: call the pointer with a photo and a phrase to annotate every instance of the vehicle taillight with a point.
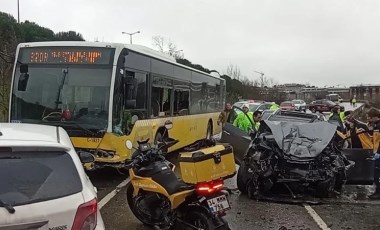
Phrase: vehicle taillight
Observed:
(86, 216)
(209, 188)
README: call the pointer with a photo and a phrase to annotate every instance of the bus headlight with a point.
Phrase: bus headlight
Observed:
(129, 144)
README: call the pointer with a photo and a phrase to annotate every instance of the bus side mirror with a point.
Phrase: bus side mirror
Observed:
(24, 68)
(23, 82)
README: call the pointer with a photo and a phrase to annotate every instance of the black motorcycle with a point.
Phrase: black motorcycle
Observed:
(296, 157)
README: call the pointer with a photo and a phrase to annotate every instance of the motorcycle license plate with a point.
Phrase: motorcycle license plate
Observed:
(218, 204)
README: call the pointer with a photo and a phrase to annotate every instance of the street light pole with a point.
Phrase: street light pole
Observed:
(130, 35)
(18, 11)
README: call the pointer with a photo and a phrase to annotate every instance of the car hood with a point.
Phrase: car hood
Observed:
(301, 140)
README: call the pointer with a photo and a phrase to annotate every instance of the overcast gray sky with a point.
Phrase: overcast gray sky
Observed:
(321, 42)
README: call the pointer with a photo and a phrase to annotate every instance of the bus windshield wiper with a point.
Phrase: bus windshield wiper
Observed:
(7, 206)
(57, 102)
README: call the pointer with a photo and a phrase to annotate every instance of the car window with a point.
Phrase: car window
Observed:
(29, 177)
(253, 107)
(267, 106)
(261, 108)
(239, 104)
(330, 102)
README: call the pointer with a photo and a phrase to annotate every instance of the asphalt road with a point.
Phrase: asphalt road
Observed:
(352, 210)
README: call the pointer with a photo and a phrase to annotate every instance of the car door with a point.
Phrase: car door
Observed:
(239, 139)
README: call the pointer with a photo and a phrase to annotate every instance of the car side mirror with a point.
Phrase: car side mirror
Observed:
(86, 157)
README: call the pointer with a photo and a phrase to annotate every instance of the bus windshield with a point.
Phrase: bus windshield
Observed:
(74, 96)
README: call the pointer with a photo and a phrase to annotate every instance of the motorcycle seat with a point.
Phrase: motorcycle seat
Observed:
(171, 183)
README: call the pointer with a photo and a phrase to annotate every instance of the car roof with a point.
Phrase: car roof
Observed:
(17, 134)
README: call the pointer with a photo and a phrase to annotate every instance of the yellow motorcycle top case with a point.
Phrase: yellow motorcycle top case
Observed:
(207, 164)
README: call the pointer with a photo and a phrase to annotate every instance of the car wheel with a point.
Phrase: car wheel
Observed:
(313, 110)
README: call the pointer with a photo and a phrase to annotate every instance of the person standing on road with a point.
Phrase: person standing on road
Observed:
(373, 117)
(341, 113)
(356, 132)
(225, 115)
(335, 116)
(244, 120)
(354, 102)
(256, 119)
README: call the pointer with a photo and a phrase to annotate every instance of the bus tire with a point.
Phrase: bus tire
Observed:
(209, 131)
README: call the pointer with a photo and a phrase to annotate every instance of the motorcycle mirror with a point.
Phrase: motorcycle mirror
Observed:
(129, 144)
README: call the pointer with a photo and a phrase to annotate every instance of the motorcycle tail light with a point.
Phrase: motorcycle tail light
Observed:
(86, 216)
(209, 188)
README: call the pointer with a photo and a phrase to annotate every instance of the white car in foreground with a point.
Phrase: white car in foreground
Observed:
(42, 181)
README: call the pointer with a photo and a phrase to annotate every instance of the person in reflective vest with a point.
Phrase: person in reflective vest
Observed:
(354, 101)
(244, 120)
(341, 113)
(274, 107)
(335, 116)
(373, 117)
(356, 133)
(256, 119)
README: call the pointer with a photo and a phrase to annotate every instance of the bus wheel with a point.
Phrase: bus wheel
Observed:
(209, 131)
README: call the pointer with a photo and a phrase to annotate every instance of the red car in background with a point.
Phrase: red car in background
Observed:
(287, 106)
(323, 105)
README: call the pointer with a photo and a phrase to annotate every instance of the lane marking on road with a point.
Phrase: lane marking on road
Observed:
(110, 195)
(316, 217)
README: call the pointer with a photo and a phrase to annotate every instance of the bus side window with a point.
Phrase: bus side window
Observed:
(135, 90)
(181, 102)
(160, 101)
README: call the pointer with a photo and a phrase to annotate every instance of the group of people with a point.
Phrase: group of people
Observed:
(246, 120)
(361, 135)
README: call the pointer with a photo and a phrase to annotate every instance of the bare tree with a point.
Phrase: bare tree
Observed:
(263, 81)
(165, 45)
(233, 71)
(5, 83)
(158, 42)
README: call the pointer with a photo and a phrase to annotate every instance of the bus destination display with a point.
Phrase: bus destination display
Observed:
(66, 55)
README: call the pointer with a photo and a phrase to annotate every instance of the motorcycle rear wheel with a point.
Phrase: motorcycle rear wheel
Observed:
(202, 221)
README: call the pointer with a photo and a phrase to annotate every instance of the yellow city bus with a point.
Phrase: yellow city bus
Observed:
(106, 95)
